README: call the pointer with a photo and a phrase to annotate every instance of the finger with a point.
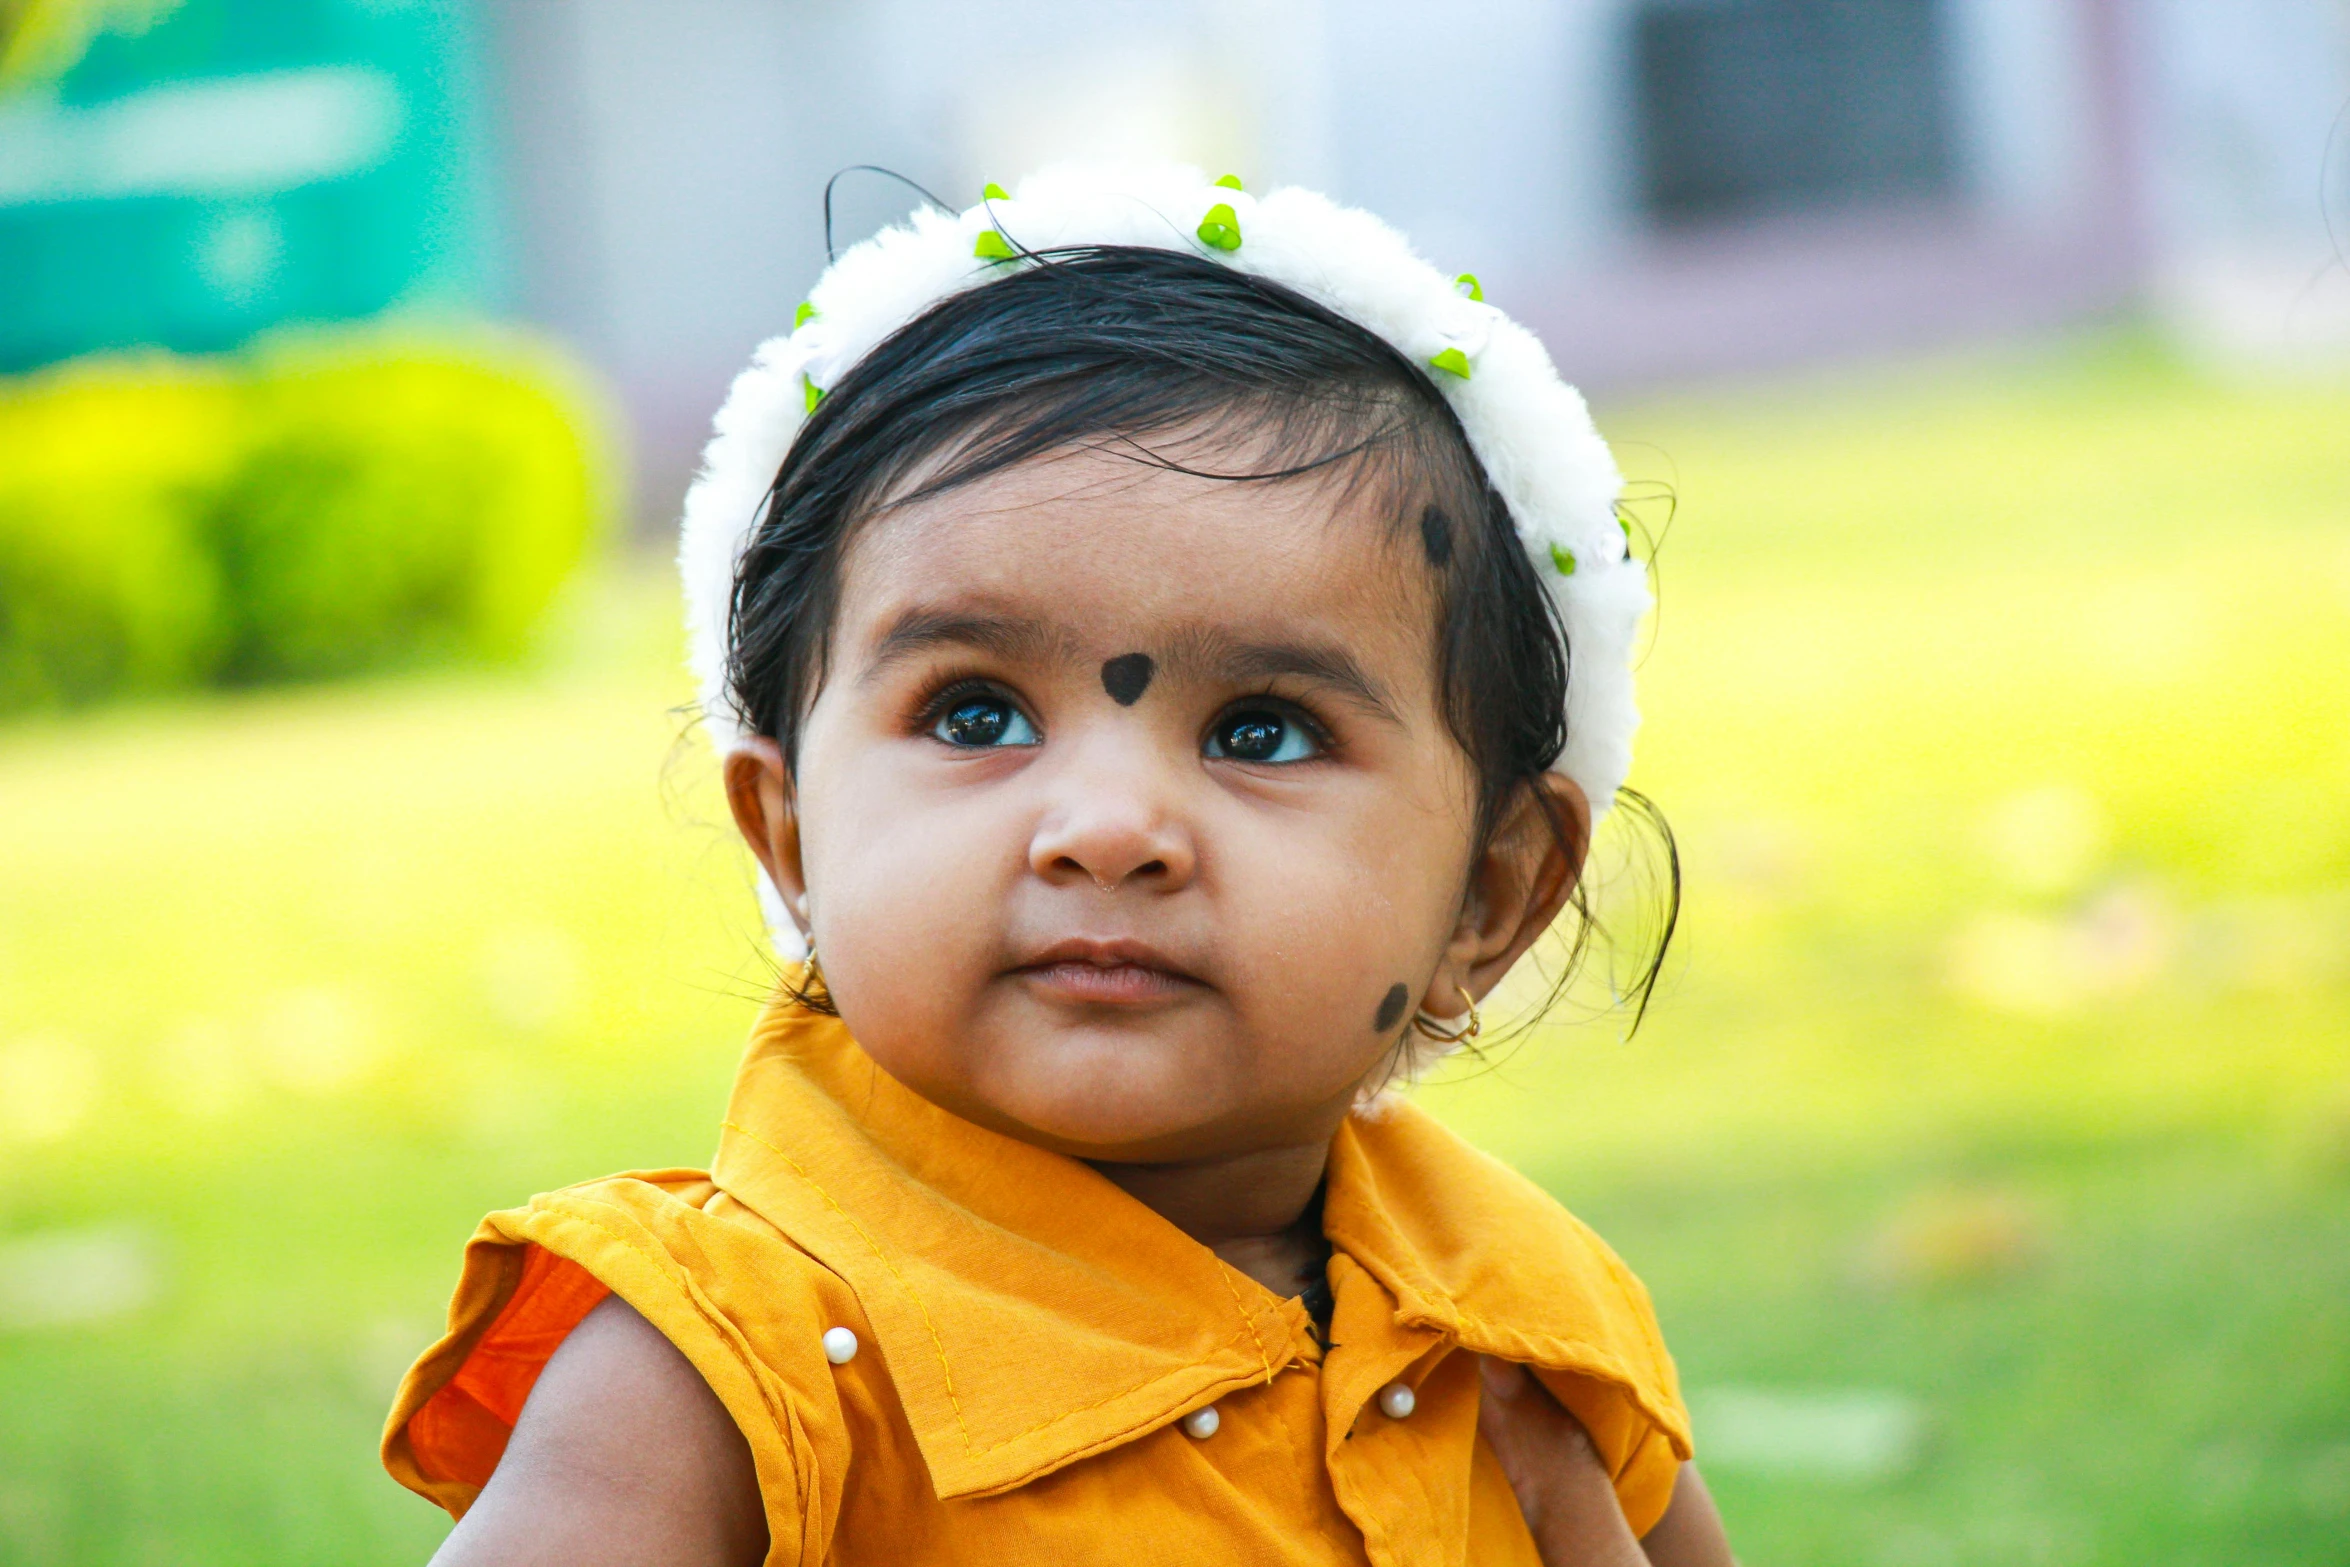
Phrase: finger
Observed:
(1519, 1412)
(1504, 1379)
(1562, 1484)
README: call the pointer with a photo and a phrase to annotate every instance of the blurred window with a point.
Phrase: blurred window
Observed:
(1751, 106)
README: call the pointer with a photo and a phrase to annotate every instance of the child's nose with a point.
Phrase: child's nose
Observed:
(1114, 822)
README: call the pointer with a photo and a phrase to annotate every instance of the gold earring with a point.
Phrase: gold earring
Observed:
(1431, 1028)
(814, 980)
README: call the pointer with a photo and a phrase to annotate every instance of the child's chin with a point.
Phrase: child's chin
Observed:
(1124, 1099)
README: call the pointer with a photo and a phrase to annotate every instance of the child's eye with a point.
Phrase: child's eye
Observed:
(977, 722)
(1262, 734)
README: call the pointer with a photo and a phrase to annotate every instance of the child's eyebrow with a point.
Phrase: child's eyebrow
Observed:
(1012, 637)
(1232, 662)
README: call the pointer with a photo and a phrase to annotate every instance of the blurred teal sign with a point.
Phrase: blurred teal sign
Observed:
(186, 172)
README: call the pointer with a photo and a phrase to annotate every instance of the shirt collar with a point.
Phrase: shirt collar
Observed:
(1031, 1313)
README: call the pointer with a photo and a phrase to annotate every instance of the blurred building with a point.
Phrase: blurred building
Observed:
(183, 173)
(1665, 188)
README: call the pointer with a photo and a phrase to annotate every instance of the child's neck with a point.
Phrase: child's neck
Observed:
(1256, 1211)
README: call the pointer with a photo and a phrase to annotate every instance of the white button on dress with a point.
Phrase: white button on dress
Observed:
(1201, 1424)
(1397, 1401)
(840, 1345)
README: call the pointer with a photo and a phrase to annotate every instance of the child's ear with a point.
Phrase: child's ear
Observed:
(767, 811)
(1516, 888)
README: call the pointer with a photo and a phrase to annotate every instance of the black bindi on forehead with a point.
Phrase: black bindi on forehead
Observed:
(1436, 535)
(1391, 1008)
(1127, 676)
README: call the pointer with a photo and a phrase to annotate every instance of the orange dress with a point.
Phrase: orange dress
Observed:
(1032, 1339)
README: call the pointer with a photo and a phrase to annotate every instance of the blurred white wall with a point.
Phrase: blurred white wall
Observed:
(2248, 173)
(2025, 80)
(668, 160)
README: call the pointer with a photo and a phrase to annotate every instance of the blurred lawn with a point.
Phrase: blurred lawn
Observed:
(1988, 1150)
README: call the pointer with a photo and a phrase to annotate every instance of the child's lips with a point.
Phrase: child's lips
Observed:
(1104, 973)
(1119, 984)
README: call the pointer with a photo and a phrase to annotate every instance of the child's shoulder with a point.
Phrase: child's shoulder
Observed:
(748, 1308)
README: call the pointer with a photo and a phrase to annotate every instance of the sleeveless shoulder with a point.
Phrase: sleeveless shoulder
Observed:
(747, 1307)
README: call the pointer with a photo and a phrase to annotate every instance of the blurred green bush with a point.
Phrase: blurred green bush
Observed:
(312, 507)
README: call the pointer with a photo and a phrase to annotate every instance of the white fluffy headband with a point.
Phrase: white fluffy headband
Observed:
(1529, 428)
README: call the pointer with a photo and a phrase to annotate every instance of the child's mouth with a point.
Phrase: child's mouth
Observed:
(1104, 973)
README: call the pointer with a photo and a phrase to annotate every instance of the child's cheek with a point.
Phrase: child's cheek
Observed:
(1326, 915)
(906, 891)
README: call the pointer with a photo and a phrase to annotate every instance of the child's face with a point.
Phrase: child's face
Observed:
(1126, 818)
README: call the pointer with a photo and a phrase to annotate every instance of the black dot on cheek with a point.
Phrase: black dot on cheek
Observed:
(1436, 536)
(1391, 1008)
(1126, 677)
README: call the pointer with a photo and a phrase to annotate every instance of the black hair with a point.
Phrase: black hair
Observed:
(1111, 346)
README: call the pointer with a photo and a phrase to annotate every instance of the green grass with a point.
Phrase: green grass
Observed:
(2003, 1067)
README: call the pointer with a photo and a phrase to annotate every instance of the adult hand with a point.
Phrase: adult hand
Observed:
(1565, 1491)
(1563, 1488)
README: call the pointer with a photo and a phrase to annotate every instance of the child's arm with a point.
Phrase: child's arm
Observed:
(1564, 1490)
(623, 1456)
